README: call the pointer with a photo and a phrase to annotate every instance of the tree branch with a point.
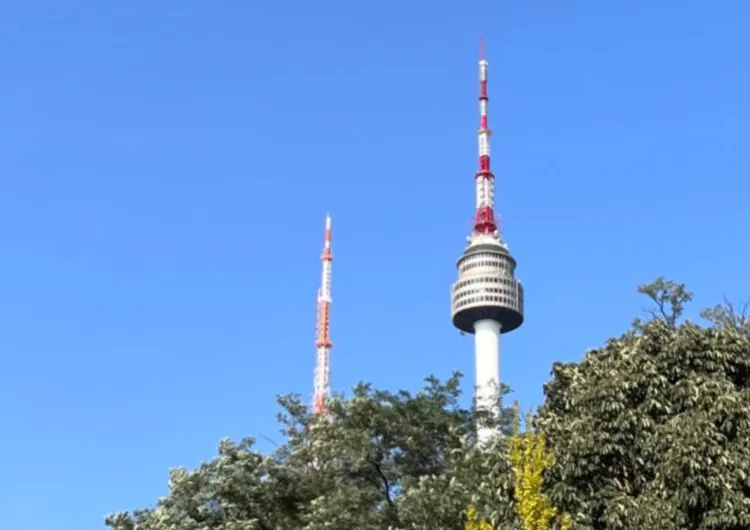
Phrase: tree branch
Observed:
(386, 484)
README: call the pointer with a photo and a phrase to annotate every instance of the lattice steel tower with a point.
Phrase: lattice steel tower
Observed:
(487, 299)
(323, 344)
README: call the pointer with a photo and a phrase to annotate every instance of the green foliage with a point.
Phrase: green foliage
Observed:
(473, 477)
(730, 317)
(669, 298)
(473, 522)
(653, 429)
(239, 487)
(380, 460)
(650, 431)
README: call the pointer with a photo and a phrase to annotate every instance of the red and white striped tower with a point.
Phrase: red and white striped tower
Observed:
(484, 222)
(323, 342)
(487, 298)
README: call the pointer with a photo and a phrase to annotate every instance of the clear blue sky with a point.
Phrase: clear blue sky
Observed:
(166, 167)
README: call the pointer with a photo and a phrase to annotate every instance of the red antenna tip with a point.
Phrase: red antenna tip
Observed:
(481, 47)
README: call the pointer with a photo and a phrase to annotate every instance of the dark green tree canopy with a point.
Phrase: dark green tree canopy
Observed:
(653, 429)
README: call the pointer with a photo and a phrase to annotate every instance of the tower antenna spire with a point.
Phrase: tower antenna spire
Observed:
(323, 344)
(487, 299)
(484, 220)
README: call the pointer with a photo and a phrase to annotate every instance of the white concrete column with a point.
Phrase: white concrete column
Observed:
(487, 350)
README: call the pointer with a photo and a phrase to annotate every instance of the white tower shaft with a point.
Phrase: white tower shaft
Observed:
(487, 360)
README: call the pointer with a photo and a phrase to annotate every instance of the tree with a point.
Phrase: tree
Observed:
(239, 487)
(653, 429)
(669, 298)
(530, 459)
(379, 460)
(729, 316)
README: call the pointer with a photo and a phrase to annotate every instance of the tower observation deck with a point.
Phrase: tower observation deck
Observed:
(487, 299)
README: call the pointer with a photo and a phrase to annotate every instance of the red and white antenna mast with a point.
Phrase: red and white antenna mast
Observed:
(484, 221)
(322, 338)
